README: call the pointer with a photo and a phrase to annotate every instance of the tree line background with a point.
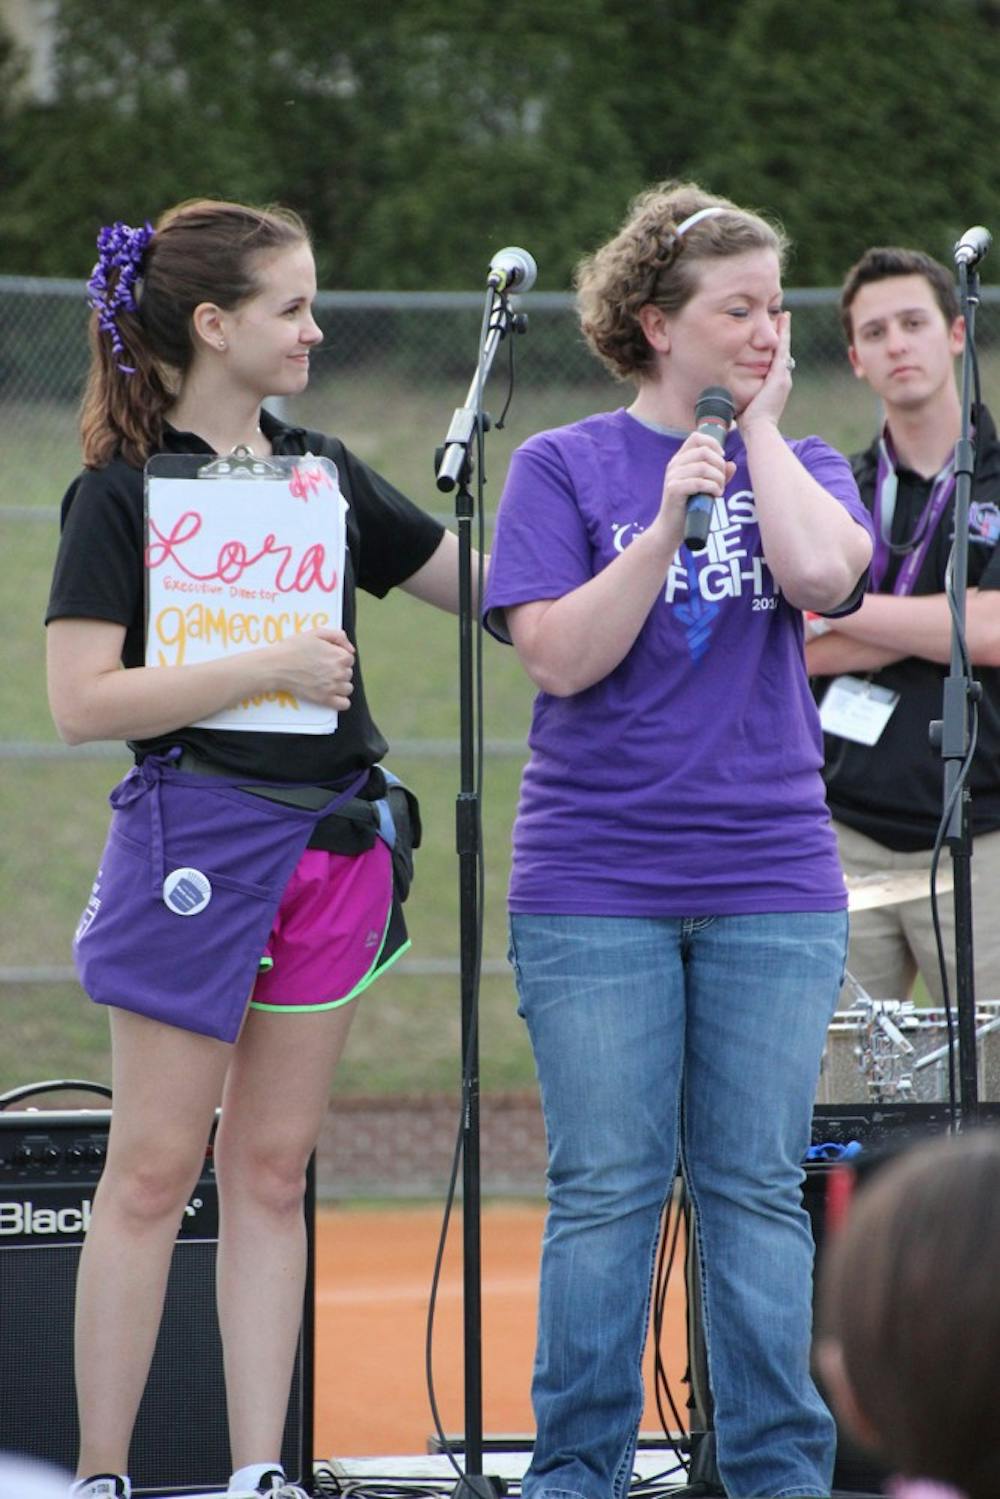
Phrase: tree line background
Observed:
(418, 136)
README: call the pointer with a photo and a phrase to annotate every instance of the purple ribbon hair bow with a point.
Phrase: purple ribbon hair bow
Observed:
(111, 288)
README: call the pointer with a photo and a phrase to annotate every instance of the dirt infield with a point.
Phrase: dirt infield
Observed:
(373, 1276)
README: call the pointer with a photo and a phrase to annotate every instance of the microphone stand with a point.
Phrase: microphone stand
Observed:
(454, 461)
(950, 734)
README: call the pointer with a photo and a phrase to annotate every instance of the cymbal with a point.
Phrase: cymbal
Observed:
(892, 888)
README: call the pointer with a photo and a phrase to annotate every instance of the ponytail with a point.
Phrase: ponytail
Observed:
(143, 291)
(122, 410)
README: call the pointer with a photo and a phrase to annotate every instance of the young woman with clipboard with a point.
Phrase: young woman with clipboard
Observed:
(288, 898)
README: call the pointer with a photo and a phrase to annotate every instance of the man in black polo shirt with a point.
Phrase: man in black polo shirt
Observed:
(880, 672)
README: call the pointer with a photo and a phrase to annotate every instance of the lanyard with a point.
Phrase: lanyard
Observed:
(886, 487)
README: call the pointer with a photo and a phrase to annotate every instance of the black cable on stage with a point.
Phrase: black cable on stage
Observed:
(665, 1261)
(388, 1488)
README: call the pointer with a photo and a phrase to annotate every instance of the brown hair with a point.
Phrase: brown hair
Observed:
(883, 261)
(909, 1290)
(204, 250)
(648, 262)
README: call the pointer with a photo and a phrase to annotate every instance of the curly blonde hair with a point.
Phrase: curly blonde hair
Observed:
(648, 262)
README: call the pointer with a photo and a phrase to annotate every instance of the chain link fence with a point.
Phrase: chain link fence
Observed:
(424, 343)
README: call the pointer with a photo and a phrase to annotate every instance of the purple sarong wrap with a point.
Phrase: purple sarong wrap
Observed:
(191, 875)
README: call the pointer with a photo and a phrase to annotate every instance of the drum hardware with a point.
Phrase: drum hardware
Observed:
(886, 1058)
(893, 1051)
(883, 1053)
(942, 1051)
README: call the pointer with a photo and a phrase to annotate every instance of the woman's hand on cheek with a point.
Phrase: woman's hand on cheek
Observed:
(769, 402)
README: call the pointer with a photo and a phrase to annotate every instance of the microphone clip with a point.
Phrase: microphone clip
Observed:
(512, 269)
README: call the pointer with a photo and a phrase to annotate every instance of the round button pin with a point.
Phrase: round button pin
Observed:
(187, 892)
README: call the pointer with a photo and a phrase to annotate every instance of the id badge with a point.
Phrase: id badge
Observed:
(856, 709)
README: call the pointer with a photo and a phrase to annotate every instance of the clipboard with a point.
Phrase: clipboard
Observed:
(242, 552)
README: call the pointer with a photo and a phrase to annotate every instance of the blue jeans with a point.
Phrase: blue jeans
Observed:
(658, 1040)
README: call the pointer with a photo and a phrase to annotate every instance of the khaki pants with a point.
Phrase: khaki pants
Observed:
(890, 945)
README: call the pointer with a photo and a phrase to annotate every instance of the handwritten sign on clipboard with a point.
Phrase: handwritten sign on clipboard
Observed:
(243, 552)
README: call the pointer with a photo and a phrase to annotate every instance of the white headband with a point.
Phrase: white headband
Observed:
(696, 218)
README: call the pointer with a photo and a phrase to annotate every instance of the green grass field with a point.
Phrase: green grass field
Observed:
(53, 811)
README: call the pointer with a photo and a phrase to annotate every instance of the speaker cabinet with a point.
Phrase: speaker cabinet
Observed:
(50, 1163)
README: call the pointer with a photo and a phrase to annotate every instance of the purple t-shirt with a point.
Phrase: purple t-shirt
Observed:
(686, 782)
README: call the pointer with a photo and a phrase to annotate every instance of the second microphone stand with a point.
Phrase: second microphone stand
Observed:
(950, 734)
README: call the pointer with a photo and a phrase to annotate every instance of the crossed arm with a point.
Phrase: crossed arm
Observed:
(887, 629)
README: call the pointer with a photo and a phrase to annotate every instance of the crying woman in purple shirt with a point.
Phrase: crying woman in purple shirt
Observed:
(678, 915)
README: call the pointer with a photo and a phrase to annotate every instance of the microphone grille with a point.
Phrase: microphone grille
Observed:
(715, 400)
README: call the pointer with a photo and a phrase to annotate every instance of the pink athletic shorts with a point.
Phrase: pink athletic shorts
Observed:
(328, 932)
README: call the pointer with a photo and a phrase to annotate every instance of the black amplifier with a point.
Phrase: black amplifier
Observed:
(50, 1163)
(883, 1128)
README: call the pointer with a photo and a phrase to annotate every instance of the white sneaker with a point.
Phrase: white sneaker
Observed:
(272, 1485)
(102, 1486)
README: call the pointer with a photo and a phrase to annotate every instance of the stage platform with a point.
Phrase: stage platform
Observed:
(657, 1473)
(432, 1474)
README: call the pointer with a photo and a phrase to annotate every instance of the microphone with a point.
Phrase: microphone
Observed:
(713, 412)
(512, 268)
(973, 245)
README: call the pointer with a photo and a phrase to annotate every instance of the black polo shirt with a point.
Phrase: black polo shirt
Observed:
(893, 790)
(99, 574)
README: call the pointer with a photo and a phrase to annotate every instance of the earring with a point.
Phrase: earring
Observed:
(222, 343)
